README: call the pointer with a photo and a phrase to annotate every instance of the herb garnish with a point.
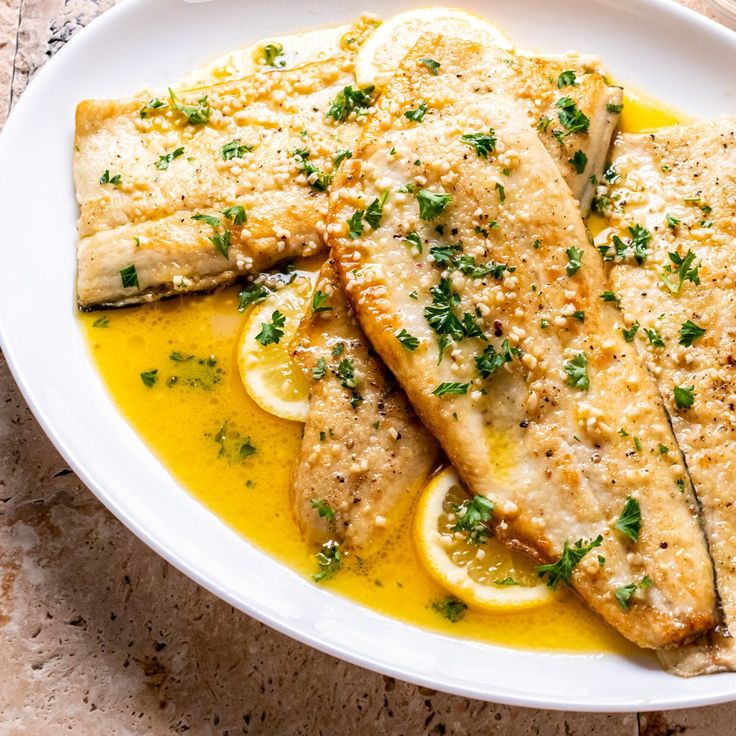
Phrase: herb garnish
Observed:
(629, 523)
(323, 509)
(235, 149)
(107, 179)
(271, 332)
(349, 100)
(567, 79)
(432, 204)
(575, 258)
(163, 161)
(149, 378)
(329, 560)
(450, 608)
(432, 65)
(320, 302)
(690, 332)
(684, 396)
(561, 571)
(472, 516)
(483, 143)
(408, 340)
(579, 161)
(417, 115)
(273, 54)
(251, 294)
(577, 372)
(681, 268)
(198, 114)
(129, 277)
(451, 388)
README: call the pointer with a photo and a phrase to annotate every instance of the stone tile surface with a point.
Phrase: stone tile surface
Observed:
(98, 635)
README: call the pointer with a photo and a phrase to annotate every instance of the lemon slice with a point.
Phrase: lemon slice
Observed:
(486, 575)
(269, 375)
(381, 54)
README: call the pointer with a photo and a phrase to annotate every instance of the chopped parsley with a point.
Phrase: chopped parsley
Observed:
(572, 119)
(107, 179)
(690, 332)
(684, 396)
(355, 224)
(271, 332)
(490, 361)
(410, 342)
(575, 258)
(567, 79)
(316, 178)
(501, 192)
(329, 560)
(350, 100)
(630, 332)
(579, 161)
(432, 65)
(672, 221)
(320, 302)
(319, 370)
(251, 294)
(625, 592)
(163, 161)
(472, 516)
(609, 296)
(450, 608)
(655, 339)
(629, 523)
(149, 378)
(374, 211)
(273, 54)
(323, 509)
(154, 104)
(561, 571)
(247, 448)
(235, 149)
(615, 107)
(440, 314)
(101, 322)
(483, 143)
(340, 156)
(577, 372)
(418, 114)
(198, 114)
(505, 581)
(129, 277)
(414, 240)
(432, 204)
(236, 214)
(680, 270)
(450, 388)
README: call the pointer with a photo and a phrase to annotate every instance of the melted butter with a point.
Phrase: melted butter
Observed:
(197, 417)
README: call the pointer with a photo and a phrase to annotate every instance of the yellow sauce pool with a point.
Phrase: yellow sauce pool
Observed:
(196, 417)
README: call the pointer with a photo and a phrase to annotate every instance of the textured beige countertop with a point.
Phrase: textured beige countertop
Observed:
(98, 635)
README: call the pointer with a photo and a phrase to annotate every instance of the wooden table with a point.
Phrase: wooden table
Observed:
(99, 635)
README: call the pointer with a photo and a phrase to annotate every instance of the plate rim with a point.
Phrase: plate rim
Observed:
(76, 461)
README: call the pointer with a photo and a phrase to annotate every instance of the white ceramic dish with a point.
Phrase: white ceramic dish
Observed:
(678, 56)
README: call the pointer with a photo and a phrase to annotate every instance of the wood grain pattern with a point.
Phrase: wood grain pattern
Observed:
(99, 635)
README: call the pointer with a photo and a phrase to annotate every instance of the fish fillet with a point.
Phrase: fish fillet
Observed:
(364, 453)
(563, 432)
(138, 241)
(144, 223)
(679, 184)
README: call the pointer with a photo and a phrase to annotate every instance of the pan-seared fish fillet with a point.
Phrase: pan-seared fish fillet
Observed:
(679, 186)
(364, 453)
(138, 240)
(385, 494)
(537, 399)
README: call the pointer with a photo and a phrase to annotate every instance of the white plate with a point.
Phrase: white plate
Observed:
(658, 47)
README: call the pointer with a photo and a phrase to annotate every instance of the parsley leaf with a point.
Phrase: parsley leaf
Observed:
(235, 149)
(154, 104)
(329, 560)
(575, 256)
(684, 396)
(163, 161)
(440, 314)
(629, 334)
(472, 516)
(432, 65)
(319, 370)
(247, 449)
(629, 523)
(198, 114)
(349, 100)
(577, 372)
(682, 269)
(107, 179)
(432, 204)
(623, 595)
(323, 509)
(355, 224)
(340, 156)
(273, 53)
(579, 161)
(501, 192)
(561, 571)
(450, 608)
(410, 342)
(451, 388)
(149, 378)
(418, 114)
(101, 322)
(236, 214)
(572, 119)
(655, 339)
(490, 361)
(567, 79)
(271, 332)
(690, 332)
(251, 294)
(129, 277)
(320, 302)
(483, 143)
(414, 240)
(374, 211)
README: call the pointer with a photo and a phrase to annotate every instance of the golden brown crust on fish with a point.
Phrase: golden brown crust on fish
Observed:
(679, 186)
(365, 453)
(558, 460)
